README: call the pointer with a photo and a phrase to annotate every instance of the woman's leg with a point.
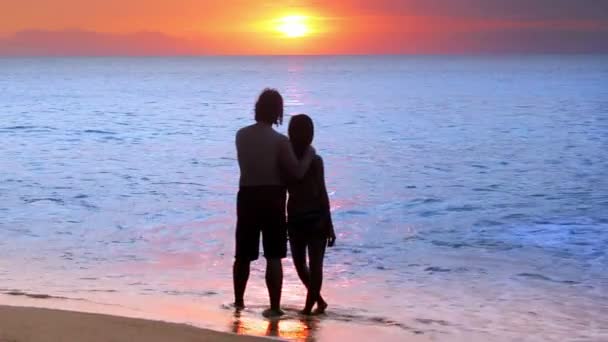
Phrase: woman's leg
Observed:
(316, 253)
(298, 253)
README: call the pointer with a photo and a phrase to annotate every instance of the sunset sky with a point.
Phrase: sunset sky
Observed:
(186, 27)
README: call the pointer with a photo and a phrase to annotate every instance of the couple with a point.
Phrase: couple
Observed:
(271, 164)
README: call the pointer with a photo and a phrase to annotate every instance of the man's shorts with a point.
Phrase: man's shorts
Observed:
(261, 209)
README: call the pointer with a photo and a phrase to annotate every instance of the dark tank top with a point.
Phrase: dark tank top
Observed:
(308, 195)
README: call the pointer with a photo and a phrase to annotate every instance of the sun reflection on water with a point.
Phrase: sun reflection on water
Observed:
(290, 329)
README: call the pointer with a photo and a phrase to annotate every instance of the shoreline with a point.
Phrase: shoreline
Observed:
(28, 317)
(33, 324)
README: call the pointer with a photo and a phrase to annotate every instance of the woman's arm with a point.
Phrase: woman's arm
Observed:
(325, 205)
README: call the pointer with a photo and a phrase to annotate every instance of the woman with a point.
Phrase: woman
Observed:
(309, 219)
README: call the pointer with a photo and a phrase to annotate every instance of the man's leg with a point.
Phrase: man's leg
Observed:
(247, 244)
(240, 275)
(274, 282)
(274, 237)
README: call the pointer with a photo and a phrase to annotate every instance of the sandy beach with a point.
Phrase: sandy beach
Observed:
(21, 324)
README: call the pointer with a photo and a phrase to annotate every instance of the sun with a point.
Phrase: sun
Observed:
(293, 26)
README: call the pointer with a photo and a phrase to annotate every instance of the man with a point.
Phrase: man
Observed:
(264, 155)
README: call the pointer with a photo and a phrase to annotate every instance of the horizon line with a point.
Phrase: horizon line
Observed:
(445, 54)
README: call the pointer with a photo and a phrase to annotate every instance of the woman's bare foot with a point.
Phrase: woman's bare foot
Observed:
(306, 312)
(321, 307)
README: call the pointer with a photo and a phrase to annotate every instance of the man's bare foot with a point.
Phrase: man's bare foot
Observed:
(272, 313)
(321, 307)
(239, 305)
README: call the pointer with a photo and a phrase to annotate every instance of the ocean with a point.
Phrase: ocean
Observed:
(469, 194)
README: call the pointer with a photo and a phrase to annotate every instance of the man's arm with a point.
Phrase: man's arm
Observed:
(295, 168)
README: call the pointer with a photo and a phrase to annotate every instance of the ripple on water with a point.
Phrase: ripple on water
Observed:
(430, 213)
(208, 293)
(34, 295)
(462, 208)
(18, 127)
(97, 131)
(354, 212)
(514, 216)
(537, 276)
(487, 223)
(47, 199)
(88, 205)
(450, 244)
(434, 269)
(422, 201)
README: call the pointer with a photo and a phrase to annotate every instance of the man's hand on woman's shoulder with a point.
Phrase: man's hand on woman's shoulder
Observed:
(311, 152)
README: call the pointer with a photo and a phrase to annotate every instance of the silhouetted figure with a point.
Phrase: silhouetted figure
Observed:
(264, 155)
(310, 225)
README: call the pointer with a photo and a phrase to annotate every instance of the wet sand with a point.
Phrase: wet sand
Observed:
(25, 313)
(22, 324)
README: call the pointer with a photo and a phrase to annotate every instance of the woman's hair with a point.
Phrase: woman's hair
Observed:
(269, 107)
(301, 133)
